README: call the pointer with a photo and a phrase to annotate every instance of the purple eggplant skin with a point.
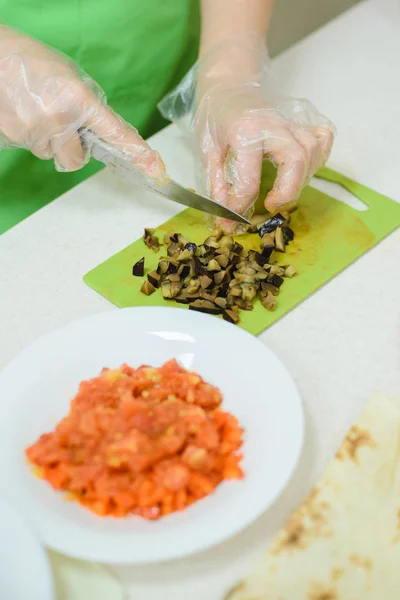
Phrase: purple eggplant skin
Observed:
(138, 268)
(272, 223)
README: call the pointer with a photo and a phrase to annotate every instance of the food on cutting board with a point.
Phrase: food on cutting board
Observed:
(146, 441)
(151, 240)
(220, 276)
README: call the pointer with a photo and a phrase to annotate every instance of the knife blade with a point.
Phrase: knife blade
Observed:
(118, 163)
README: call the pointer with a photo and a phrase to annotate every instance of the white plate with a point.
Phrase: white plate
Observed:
(24, 568)
(36, 388)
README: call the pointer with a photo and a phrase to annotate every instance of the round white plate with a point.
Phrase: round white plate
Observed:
(24, 568)
(36, 389)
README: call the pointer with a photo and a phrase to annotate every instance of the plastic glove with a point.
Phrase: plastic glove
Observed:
(47, 103)
(237, 121)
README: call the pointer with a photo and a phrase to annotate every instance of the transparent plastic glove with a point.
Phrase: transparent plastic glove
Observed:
(237, 120)
(47, 103)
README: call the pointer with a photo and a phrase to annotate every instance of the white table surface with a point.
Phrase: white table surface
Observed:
(340, 345)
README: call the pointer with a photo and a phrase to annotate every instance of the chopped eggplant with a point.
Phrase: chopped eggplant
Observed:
(290, 271)
(173, 249)
(222, 260)
(261, 276)
(184, 255)
(213, 265)
(170, 289)
(279, 240)
(163, 266)
(246, 269)
(199, 268)
(193, 286)
(173, 277)
(243, 278)
(205, 306)
(210, 296)
(252, 229)
(269, 301)
(269, 287)
(235, 291)
(154, 278)
(243, 304)
(181, 239)
(184, 271)
(288, 234)
(276, 270)
(232, 316)
(172, 267)
(218, 233)
(249, 292)
(206, 282)
(234, 259)
(201, 251)
(221, 302)
(191, 246)
(147, 288)
(227, 242)
(276, 280)
(151, 241)
(260, 259)
(219, 277)
(272, 223)
(138, 268)
(211, 242)
(266, 251)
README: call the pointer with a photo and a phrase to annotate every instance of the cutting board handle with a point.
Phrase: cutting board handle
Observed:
(382, 210)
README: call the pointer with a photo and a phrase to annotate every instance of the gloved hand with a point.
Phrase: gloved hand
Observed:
(237, 121)
(47, 103)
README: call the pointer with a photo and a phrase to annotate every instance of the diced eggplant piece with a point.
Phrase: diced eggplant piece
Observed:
(221, 302)
(227, 242)
(205, 306)
(201, 251)
(206, 282)
(249, 292)
(154, 278)
(191, 246)
(235, 291)
(184, 255)
(268, 287)
(243, 304)
(223, 289)
(276, 280)
(232, 316)
(246, 269)
(288, 234)
(211, 242)
(199, 268)
(184, 271)
(234, 259)
(261, 259)
(193, 286)
(182, 240)
(151, 240)
(267, 241)
(185, 299)
(173, 277)
(138, 268)
(170, 289)
(222, 250)
(147, 288)
(252, 229)
(213, 266)
(219, 277)
(261, 276)
(243, 278)
(210, 296)
(290, 271)
(279, 240)
(169, 237)
(218, 233)
(266, 251)
(237, 248)
(163, 266)
(172, 267)
(173, 249)
(272, 223)
(222, 260)
(269, 301)
(276, 270)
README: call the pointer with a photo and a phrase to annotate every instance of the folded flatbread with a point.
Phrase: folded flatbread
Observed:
(343, 542)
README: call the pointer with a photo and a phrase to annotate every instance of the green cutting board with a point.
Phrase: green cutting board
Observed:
(329, 236)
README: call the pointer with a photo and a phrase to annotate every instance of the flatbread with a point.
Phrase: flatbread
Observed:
(343, 542)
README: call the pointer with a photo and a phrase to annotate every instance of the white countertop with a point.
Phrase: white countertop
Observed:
(340, 345)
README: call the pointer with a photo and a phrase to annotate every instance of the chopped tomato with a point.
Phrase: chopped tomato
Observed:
(141, 441)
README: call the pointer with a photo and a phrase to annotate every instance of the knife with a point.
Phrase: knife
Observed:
(118, 162)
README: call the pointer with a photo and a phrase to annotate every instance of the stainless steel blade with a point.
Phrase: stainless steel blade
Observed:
(120, 165)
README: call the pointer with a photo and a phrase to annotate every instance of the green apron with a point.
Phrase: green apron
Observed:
(137, 50)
